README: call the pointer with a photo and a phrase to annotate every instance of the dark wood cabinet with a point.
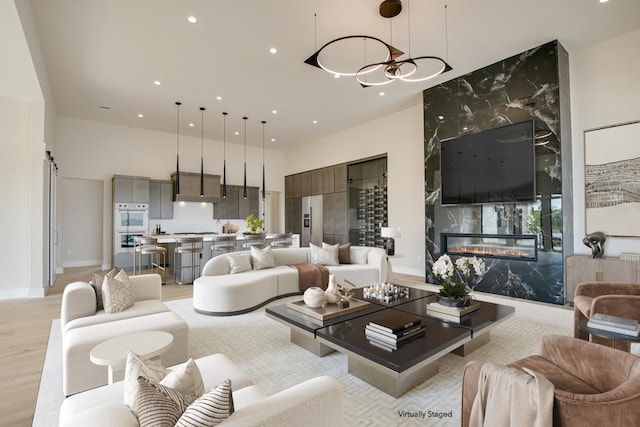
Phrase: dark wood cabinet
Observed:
(296, 185)
(250, 205)
(328, 179)
(235, 206)
(293, 215)
(306, 189)
(340, 178)
(328, 210)
(316, 182)
(341, 205)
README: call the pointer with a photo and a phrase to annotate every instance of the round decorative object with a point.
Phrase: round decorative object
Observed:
(331, 294)
(454, 301)
(314, 297)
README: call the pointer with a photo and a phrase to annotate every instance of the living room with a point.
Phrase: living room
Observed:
(602, 71)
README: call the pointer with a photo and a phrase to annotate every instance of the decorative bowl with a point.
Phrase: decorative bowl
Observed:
(314, 297)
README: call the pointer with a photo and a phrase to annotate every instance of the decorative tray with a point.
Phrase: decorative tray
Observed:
(328, 311)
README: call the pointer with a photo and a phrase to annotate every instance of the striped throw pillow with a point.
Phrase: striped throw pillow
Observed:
(210, 409)
(160, 406)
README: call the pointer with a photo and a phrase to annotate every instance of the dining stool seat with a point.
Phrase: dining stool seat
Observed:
(223, 243)
(148, 246)
(191, 249)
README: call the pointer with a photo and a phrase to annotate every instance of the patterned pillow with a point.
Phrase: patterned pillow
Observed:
(239, 262)
(209, 410)
(344, 252)
(262, 258)
(117, 293)
(186, 378)
(139, 367)
(324, 256)
(158, 405)
(96, 282)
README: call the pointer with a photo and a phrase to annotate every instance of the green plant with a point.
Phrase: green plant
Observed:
(454, 278)
(255, 224)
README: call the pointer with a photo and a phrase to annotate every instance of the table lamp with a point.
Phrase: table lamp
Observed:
(389, 233)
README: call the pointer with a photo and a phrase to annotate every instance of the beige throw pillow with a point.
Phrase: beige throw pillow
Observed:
(97, 281)
(324, 256)
(185, 378)
(344, 252)
(210, 409)
(135, 367)
(117, 293)
(239, 262)
(262, 258)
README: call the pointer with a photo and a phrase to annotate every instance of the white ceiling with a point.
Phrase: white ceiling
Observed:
(109, 52)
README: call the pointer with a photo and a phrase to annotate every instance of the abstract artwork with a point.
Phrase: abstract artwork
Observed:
(612, 179)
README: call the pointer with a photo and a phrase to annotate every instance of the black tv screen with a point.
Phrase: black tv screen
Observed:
(493, 166)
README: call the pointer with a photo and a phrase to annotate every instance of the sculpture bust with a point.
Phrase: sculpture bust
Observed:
(595, 241)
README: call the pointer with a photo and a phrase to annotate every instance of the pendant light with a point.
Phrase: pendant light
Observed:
(244, 186)
(224, 162)
(264, 188)
(178, 104)
(202, 151)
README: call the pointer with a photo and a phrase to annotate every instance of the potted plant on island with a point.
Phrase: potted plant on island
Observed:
(255, 224)
(455, 289)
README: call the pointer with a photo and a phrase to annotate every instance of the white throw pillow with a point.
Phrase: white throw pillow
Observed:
(239, 262)
(359, 255)
(344, 252)
(210, 409)
(117, 293)
(139, 367)
(185, 378)
(324, 256)
(262, 258)
(97, 281)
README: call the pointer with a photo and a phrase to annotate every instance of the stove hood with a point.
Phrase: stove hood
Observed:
(190, 188)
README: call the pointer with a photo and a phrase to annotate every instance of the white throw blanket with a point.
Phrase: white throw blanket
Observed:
(512, 397)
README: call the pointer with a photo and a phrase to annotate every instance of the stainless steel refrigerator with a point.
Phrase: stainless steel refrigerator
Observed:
(311, 220)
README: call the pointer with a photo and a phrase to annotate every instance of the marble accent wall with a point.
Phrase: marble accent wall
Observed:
(531, 85)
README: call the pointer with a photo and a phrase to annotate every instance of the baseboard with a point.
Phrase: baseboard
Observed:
(410, 271)
(59, 270)
(86, 263)
(14, 293)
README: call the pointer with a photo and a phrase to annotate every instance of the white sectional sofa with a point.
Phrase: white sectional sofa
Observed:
(84, 327)
(315, 402)
(219, 293)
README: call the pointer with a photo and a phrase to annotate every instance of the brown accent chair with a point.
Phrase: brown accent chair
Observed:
(594, 385)
(618, 299)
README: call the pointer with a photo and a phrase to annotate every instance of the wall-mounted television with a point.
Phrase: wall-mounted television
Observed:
(492, 166)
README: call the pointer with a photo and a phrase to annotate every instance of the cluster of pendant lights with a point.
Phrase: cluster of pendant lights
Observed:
(224, 164)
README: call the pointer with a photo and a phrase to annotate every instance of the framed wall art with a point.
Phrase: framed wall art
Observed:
(612, 179)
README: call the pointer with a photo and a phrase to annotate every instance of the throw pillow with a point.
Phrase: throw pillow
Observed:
(96, 282)
(186, 378)
(117, 293)
(262, 258)
(210, 409)
(239, 262)
(324, 256)
(135, 367)
(158, 405)
(360, 255)
(344, 252)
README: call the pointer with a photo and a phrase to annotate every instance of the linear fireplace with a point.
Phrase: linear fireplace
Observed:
(506, 246)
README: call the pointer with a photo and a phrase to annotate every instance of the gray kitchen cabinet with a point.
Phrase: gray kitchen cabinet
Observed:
(340, 177)
(307, 186)
(340, 215)
(129, 189)
(160, 199)
(328, 179)
(228, 206)
(288, 186)
(316, 182)
(296, 185)
(250, 205)
(293, 215)
(190, 187)
(328, 209)
(235, 206)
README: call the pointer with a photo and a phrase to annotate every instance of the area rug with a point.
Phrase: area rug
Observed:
(261, 347)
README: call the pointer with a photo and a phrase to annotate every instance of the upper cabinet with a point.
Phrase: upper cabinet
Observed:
(190, 187)
(235, 206)
(160, 199)
(340, 177)
(130, 189)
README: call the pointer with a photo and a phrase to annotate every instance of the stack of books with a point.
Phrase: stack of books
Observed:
(615, 324)
(393, 330)
(453, 314)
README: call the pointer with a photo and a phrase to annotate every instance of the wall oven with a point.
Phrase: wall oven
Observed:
(125, 240)
(131, 217)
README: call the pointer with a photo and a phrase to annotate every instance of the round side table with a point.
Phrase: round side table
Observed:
(613, 337)
(113, 352)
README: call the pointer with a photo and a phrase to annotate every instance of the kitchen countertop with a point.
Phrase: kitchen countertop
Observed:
(171, 238)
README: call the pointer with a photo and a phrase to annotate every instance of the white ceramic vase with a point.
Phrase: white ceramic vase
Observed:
(331, 294)
(314, 297)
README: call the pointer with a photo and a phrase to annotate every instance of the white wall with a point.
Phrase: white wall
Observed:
(93, 150)
(604, 91)
(81, 237)
(401, 136)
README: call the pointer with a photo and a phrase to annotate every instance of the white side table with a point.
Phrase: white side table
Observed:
(113, 352)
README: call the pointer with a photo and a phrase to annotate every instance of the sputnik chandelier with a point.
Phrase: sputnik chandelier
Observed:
(389, 68)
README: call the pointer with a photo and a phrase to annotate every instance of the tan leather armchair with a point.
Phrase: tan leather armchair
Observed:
(614, 298)
(594, 385)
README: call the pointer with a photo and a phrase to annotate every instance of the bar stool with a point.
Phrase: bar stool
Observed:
(223, 243)
(157, 255)
(279, 240)
(187, 246)
(257, 240)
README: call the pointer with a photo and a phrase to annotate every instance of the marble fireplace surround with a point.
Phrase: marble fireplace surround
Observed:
(530, 85)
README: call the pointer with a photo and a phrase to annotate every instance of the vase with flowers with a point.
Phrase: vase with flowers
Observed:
(454, 279)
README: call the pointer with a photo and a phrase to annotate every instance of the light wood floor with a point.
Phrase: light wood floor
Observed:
(24, 330)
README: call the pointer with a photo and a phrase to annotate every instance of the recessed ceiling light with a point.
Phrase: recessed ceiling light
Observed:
(104, 107)
(157, 82)
(315, 122)
(337, 76)
(219, 98)
(273, 140)
(192, 19)
(236, 133)
(381, 94)
(191, 125)
(440, 117)
(141, 115)
(274, 111)
(273, 50)
(603, 1)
